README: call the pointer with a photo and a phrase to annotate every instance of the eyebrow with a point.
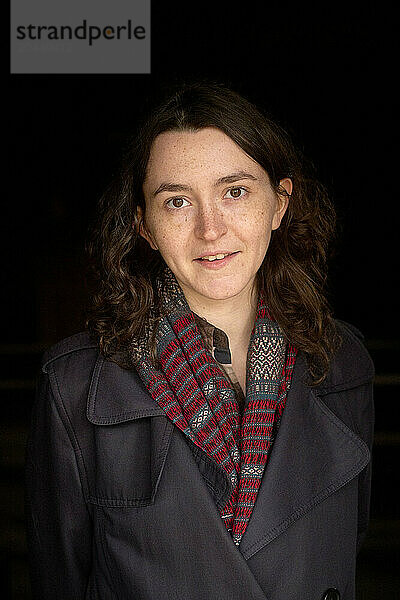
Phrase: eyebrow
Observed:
(181, 187)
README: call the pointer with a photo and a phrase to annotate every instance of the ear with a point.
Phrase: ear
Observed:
(143, 231)
(282, 201)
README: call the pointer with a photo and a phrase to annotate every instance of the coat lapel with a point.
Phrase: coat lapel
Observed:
(314, 455)
(117, 395)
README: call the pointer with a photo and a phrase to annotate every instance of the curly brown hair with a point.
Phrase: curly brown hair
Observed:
(294, 272)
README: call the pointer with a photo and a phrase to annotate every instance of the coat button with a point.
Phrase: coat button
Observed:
(331, 594)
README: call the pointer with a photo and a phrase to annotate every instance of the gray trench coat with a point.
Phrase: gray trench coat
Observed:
(120, 507)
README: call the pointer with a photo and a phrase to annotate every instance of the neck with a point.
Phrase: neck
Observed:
(235, 316)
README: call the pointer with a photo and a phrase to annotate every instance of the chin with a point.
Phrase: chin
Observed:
(221, 292)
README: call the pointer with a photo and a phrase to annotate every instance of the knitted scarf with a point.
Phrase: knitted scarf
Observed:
(196, 395)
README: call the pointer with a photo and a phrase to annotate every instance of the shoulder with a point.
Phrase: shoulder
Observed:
(69, 347)
(65, 381)
(84, 382)
(351, 365)
(70, 362)
(348, 388)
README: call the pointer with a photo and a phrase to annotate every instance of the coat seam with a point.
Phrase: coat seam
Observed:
(161, 458)
(116, 503)
(103, 546)
(130, 416)
(349, 384)
(74, 442)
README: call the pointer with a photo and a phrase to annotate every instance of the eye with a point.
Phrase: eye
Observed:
(177, 202)
(236, 192)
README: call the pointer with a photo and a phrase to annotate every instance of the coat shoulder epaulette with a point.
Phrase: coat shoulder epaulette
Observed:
(75, 343)
(351, 365)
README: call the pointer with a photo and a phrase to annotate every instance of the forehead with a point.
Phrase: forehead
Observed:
(207, 150)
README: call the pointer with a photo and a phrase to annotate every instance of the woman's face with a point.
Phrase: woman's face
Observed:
(210, 210)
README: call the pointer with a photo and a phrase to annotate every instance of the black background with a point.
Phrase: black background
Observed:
(326, 72)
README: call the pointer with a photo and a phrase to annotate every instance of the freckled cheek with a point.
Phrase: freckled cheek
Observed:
(171, 240)
(258, 234)
(256, 225)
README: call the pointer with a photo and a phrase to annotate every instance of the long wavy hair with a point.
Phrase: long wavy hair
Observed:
(294, 271)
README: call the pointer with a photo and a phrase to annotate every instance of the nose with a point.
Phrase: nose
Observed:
(210, 223)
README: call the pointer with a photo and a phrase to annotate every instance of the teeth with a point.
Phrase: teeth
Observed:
(214, 257)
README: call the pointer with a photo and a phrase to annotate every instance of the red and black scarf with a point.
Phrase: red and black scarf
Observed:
(197, 396)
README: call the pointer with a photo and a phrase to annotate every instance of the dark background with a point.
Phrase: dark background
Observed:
(327, 73)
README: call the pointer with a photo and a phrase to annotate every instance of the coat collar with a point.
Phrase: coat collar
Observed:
(315, 452)
(117, 395)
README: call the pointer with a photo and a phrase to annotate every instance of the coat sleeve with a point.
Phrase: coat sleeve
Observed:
(367, 419)
(362, 418)
(58, 520)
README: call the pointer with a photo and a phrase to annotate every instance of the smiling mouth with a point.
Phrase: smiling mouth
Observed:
(213, 257)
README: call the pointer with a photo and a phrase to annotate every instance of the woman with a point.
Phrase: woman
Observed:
(209, 436)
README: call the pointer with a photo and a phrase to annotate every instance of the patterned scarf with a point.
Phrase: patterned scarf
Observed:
(196, 395)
